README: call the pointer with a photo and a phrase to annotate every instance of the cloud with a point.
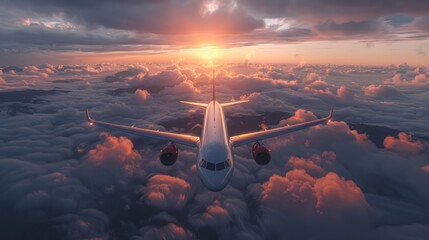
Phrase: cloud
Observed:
(169, 231)
(380, 91)
(350, 29)
(31, 26)
(61, 178)
(300, 116)
(141, 95)
(418, 80)
(88, 223)
(404, 144)
(166, 192)
(422, 23)
(188, 16)
(114, 150)
(345, 93)
(312, 165)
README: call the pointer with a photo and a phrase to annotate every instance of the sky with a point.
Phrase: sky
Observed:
(356, 32)
(362, 175)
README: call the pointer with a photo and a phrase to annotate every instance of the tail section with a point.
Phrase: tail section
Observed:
(233, 103)
(214, 98)
(214, 86)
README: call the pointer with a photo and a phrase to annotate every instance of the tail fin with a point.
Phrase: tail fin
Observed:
(233, 103)
(214, 86)
(195, 104)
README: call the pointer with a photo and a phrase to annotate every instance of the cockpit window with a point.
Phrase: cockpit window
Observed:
(215, 166)
(220, 166)
(211, 166)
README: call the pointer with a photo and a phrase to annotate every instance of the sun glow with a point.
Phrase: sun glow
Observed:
(208, 54)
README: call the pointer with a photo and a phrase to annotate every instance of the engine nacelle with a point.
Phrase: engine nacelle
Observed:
(261, 154)
(169, 154)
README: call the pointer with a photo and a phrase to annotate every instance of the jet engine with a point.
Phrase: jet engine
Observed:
(169, 154)
(261, 154)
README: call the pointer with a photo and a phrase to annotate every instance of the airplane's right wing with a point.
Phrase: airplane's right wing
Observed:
(258, 136)
(183, 139)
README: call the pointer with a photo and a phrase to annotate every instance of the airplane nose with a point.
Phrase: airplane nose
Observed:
(216, 186)
(216, 181)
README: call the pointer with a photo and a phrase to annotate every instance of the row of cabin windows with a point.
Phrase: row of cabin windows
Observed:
(215, 166)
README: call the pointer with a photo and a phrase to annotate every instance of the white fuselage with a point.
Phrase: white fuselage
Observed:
(214, 161)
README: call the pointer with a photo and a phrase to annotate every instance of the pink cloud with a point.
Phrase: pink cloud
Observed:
(380, 91)
(345, 93)
(418, 80)
(292, 192)
(301, 193)
(141, 95)
(167, 192)
(312, 77)
(215, 210)
(300, 116)
(312, 165)
(185, 87)
(335, 194)
(404, 144)
(115, 151)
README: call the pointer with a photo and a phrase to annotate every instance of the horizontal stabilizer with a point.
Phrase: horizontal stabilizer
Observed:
(195, 104)
(233, 103)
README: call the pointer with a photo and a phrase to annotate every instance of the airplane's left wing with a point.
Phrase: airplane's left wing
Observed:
(258, 136)
(183, 139)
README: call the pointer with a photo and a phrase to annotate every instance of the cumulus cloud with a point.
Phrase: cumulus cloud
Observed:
(166, 192)
(345, 93)
(169, 231)
(404, 144)
(300, 116)
(380, 91)
(418, 80)
(141, 95)
(312, 165)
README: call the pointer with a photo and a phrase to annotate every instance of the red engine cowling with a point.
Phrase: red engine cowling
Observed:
(169, 154)
(261, 154)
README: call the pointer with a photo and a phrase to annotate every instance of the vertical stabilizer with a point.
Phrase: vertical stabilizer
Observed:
(214, 97)
(214, 86)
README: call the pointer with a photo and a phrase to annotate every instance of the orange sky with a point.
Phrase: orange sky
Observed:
(315, 32)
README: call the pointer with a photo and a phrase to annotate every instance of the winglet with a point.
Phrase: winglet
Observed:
(88, 118)
(331, 113)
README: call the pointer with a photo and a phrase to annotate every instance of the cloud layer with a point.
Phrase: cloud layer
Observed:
(63, 179)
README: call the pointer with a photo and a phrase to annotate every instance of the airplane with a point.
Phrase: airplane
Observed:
(214, 161)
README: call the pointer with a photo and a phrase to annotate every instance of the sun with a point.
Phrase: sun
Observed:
(207, 54)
